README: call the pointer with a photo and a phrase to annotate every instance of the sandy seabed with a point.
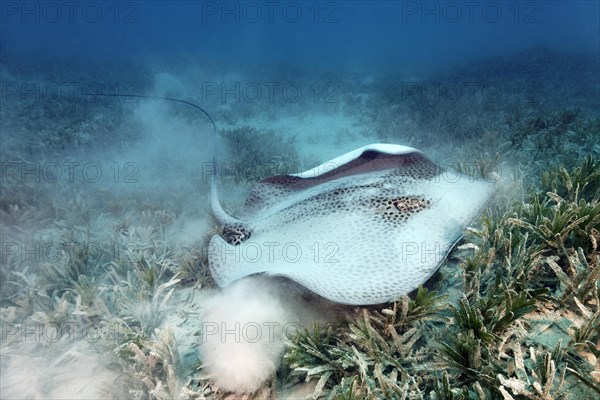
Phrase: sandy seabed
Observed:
(105, 212)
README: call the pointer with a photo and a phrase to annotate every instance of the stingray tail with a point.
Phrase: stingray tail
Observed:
(220, 214)
(240, 228)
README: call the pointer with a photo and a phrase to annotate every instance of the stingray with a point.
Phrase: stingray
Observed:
(363, 228)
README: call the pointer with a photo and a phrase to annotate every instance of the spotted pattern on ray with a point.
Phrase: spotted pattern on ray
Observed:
(382, 218)
(271, 190)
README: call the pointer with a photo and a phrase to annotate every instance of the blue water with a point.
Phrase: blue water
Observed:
(410, 36)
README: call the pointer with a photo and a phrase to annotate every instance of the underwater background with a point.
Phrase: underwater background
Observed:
(105, 201)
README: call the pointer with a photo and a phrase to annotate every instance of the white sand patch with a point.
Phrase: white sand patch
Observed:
(244, 327)
(63, 370)
(241, 335)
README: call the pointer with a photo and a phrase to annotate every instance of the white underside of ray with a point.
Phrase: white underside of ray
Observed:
(354, 258)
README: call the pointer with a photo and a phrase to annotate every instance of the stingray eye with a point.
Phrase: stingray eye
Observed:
(235, 234)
